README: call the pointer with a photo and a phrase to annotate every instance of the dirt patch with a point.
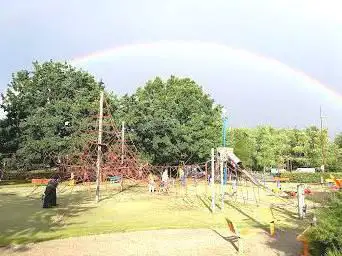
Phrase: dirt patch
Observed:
(161, 242)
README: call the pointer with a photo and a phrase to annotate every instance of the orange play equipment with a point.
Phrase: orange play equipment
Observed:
(338, 182)
(39, 182)
(301, 238)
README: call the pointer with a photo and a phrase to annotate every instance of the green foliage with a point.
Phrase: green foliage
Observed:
(338, 140)
(243, 144)
(327, 236)
(28, 175)
(173, 120)
(334, 252)
(47, 109)
(308, 177)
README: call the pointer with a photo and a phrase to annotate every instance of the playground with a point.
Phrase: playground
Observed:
(108, 194)
(133, 209)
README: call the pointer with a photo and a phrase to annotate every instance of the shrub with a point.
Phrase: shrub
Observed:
(326, 237)
(309, 177)
(28, 175)
(334, 252)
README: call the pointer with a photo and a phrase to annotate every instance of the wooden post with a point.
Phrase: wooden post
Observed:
(99, 153)
(122, 142)
(305, 248)
(212, 180)
(301, 203)
(272, 228)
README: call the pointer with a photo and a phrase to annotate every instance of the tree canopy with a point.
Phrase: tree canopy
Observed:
(48, 109)
(173, 120)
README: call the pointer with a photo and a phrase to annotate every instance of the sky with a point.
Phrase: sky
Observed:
(261, 59)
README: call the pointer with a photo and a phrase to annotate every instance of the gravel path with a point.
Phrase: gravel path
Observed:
(161, 242)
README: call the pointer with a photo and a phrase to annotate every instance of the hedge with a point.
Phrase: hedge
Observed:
(28, 175)
(309, 177)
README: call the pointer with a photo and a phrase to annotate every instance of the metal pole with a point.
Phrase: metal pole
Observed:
(301, 203)
(213, 180)
(224, 135)
(99, 153)
(122, 142)
(222, 190)
(322, 139)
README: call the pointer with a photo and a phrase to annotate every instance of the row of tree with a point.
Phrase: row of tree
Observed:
(48, 110)
(287, 148)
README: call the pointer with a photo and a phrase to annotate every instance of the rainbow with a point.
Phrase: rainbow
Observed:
(200, 49)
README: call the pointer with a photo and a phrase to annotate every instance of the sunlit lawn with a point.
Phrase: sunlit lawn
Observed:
(22, 218)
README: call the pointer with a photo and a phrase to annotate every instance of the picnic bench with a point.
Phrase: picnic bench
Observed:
(40, 182)
(116, 180)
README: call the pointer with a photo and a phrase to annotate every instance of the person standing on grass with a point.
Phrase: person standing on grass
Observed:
(165, 180)
(1, 174)
(151, 183)
(182, 176)
(72, 179)
(50, 194)
(278, 185)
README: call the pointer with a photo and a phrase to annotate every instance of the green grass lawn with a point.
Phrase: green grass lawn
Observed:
(23, 220)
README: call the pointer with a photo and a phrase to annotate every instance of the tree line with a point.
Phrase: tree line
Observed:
(48, 108)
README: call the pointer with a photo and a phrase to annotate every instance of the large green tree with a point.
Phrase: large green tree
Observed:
(244, 144)
(46, 111)
(265, 151)
(173, 120)
(338, 140)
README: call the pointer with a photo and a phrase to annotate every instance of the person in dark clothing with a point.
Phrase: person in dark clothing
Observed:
(50, 194)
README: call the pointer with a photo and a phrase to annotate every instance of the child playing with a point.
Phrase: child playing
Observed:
(151, 183)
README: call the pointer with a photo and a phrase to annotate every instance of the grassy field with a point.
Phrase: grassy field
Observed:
(23, 220)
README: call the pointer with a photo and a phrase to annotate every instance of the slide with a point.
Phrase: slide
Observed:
(237, 162)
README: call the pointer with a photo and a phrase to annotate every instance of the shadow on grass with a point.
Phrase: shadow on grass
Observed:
(206, 201)
(285, 242)
(206, 204)
(285, 238)
(117, 192)
(23, 220)
(257, 223)
(231, 239)
(14, 182)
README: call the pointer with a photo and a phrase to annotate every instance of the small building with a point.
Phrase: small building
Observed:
(306, 170)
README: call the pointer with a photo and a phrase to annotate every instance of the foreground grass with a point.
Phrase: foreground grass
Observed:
(22, 219)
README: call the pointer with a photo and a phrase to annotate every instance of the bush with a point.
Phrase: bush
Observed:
(334, 252)
(326, 237)
(28, 175)
(309, 177)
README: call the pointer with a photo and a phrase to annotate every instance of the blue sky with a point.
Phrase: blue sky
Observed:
(303, 35)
